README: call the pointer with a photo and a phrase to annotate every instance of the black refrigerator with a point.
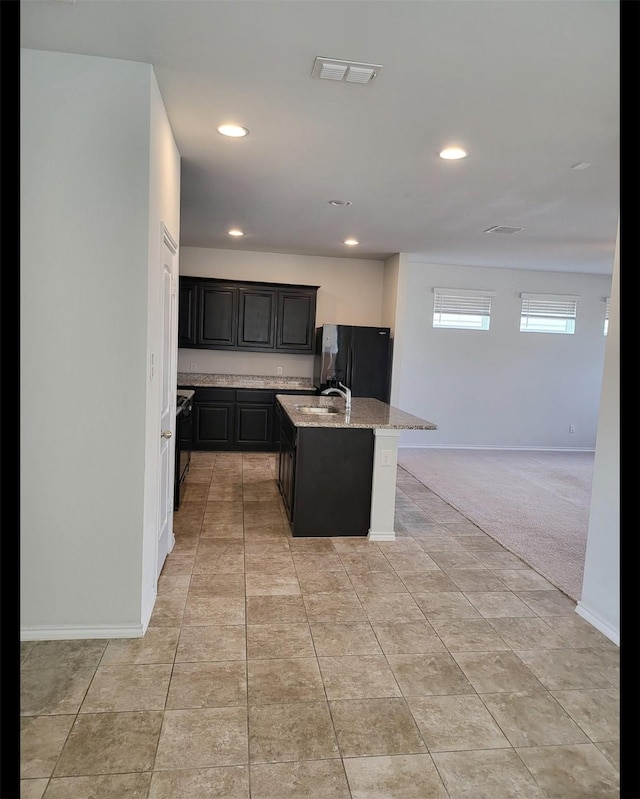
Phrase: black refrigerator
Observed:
(358, 357)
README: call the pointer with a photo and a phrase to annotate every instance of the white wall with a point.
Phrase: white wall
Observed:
(600, 601)
(393, 314)
(350, 293)
(85, 221)
(500, 388)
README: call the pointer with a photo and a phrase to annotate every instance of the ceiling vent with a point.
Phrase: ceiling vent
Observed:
(504, 229)
(346, 71)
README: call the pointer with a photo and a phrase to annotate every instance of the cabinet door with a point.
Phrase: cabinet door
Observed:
(187, 313)
(254, 425)
(286, 465)
(217, 315)
(214, 425)
(256, 315)
(213, 419)
(296, 315)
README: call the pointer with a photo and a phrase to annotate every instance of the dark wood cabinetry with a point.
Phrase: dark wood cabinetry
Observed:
(286, 458)
(325, 478)
(187, 313)
(253, 316)
(214, 418)
(216, 316)
(296, 317)
(235, 419)
(254, 418)
(256, 319)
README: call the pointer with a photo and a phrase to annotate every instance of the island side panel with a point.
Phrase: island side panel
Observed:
(333, 482)
(383, 493)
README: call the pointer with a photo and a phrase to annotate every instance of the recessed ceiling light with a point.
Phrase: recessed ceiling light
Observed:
(235, 232)
(351, 242)
(340, 203)
(453, 153)
(235, 131)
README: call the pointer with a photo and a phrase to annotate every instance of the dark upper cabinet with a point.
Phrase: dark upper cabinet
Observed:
(187, 313)
(217, 315)
(296, 321)
(256, 318)
(259, 317)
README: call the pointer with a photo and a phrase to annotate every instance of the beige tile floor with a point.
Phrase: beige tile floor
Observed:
(437, 665)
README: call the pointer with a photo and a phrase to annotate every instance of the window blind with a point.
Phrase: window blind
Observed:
(458, 301)
(549, 306)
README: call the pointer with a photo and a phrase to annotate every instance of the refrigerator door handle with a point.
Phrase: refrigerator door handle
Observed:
(352, 368)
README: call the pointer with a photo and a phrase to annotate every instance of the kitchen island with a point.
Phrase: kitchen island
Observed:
(337, 468)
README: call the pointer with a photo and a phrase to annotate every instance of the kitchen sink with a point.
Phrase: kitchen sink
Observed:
(321, 409)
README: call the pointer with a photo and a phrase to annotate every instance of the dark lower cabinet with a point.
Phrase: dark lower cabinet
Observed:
(325, 479)
(214, 418)
(286, 460)
(229, 419)
(254, 424)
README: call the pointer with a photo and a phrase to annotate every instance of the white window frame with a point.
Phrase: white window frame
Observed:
(606, 315)
(463, 309)
(548, 313)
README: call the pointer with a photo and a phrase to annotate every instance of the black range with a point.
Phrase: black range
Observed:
(184, 439)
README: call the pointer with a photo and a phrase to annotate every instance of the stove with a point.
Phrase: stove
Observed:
(184, 442)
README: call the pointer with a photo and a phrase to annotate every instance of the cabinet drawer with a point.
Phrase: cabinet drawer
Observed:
(263, 396)
(214, 395)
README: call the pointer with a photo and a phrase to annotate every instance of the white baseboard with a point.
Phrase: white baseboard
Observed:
(147, 609)
(381, 536)
(497, 448)
(605, 628)
(72, 632)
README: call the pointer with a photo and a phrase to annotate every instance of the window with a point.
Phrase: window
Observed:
(548, 313)
(467, 310)
(606, 315)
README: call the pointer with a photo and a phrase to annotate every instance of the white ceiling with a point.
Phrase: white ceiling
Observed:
(529, 87)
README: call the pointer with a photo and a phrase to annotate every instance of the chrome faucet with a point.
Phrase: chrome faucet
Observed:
(346, 394)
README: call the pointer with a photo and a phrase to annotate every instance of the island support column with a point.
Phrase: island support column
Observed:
(383, 489)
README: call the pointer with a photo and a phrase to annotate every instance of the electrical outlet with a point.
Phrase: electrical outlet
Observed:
(279, 370)
(385, 457)
(572, 428)
(194, 367)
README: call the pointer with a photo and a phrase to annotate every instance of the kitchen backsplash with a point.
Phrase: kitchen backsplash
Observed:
(244, 363)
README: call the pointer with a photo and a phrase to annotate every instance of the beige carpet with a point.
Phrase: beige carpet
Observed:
(536, 504)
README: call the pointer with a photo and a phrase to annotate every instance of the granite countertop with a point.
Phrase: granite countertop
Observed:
(365, 412)
(203, 380)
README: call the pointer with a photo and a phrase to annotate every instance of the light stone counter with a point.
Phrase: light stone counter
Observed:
(204, 380)
(365, 412)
